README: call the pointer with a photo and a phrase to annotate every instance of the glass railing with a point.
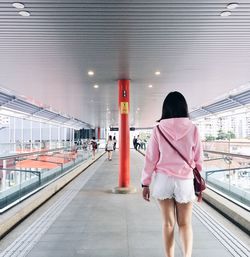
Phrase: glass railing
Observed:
(235, 146)
(228, 173)
(23, 174)
(226, 169)
(27, 147)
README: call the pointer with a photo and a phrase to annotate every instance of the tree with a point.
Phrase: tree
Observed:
(230, 135)
(221, 135)
(209, 138)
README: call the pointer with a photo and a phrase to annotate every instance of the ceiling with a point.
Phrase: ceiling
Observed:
(46, 56)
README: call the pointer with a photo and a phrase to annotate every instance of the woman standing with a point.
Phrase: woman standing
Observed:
(109, 148)
(173, 185)
(93, 144)
(114, 141)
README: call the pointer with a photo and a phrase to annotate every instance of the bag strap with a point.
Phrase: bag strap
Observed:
(174, 147)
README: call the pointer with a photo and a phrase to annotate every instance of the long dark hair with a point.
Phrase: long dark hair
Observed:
(174, 106)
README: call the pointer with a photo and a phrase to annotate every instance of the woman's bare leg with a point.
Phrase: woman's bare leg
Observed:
(184, 220)
(168, 216)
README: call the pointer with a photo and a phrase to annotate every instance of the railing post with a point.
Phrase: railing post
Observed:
(39, 176)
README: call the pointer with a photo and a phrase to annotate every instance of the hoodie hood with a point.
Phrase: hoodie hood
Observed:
(176, 128)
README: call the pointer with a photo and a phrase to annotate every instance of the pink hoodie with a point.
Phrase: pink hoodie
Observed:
(161, 157)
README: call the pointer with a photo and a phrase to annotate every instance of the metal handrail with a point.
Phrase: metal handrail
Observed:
(229, 154)
(35, 172)
(214, 159)
(226, 141)
(59, 163)
(31, 153)
(29, 171)
(216, 171)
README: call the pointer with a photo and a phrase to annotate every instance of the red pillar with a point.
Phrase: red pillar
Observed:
(124, 140)
(98, 133)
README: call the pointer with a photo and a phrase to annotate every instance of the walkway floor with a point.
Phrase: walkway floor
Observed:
(92, 222)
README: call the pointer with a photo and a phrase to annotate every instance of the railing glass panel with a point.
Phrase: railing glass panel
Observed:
(228, 173)
(22, 174)
(226, 168)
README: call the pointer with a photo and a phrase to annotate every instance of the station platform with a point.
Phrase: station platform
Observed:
(85, 219)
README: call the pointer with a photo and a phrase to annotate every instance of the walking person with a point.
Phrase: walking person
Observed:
(114, 142)
(173, 182)
(110, 147)
(134, 142)
(93, 145)
(138, 143)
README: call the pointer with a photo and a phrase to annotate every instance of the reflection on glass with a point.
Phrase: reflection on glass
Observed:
(23, 173)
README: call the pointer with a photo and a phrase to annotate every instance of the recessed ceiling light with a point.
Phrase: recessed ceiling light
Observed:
(232, 6)
(138, 109)
(18, 5)
(90, 73)
(24, 13)
(225, 13)
(150, 86)
(157, 73)
(96, 86)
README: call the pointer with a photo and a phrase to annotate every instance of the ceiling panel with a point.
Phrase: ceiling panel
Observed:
(47, 56)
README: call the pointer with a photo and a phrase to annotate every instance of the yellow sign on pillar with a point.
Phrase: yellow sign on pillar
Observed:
(124, 107)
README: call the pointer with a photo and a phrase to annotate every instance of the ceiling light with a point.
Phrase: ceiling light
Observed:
(150, 86)
(24, 13)
(232, 6)
(138, 109)
(157, 73)
(90, 73)
(18, 5)
(96, 86)
(225, 13)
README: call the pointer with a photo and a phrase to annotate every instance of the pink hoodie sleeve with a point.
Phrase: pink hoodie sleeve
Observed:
(198, 151)
(151, 159)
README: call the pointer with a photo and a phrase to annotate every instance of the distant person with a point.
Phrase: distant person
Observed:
(85, 145)
(134, 142)
(110, 147)
(93, 144)
(114, 142)
(173, 183)
(138, 142)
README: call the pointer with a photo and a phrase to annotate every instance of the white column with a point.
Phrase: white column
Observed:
(31, 134)
(50, 136)
(58, 137)
(40, 135)
(22, 135)
(4, 175)
(70, 136)
(9, 130)
(14, 133)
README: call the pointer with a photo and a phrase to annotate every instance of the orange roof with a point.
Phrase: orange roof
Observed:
(35, 164)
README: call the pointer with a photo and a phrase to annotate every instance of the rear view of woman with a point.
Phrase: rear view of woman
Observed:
(110, 147)
(173, 184)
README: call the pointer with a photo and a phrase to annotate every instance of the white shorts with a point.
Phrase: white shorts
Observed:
(168, 187)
